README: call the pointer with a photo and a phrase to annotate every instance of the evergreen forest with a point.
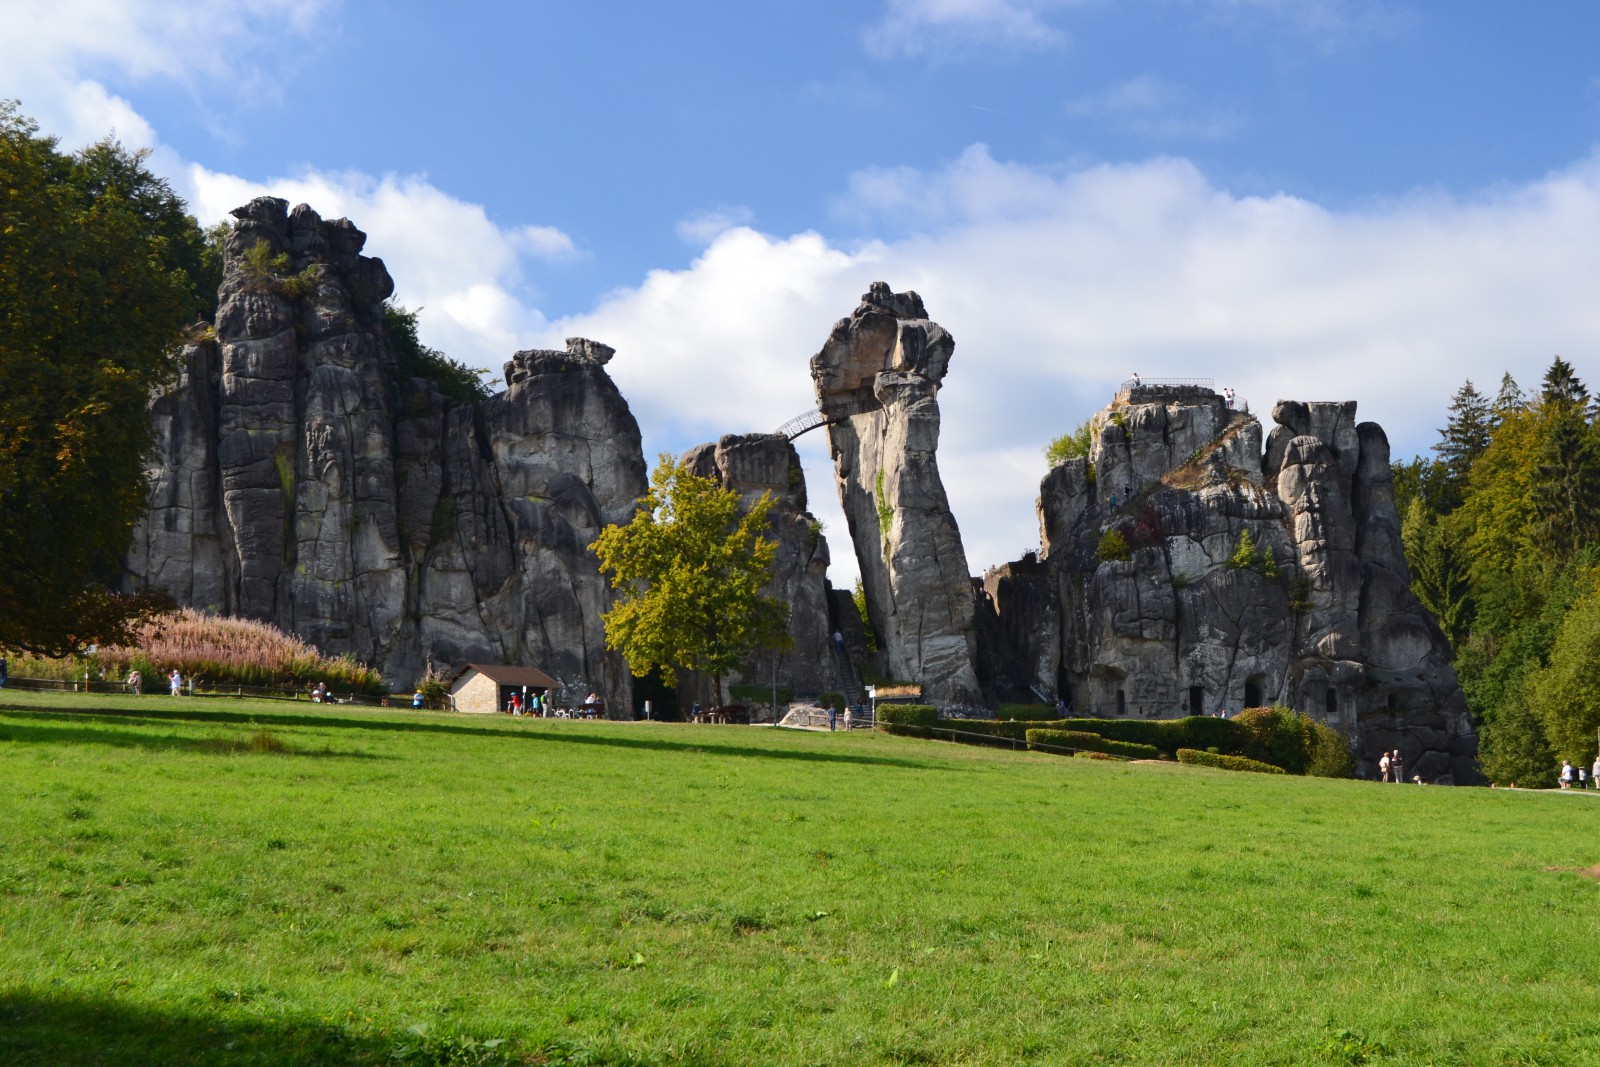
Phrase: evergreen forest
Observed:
(1502, 533)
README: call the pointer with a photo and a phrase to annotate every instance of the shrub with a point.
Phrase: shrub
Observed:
(824, 699)
(1031, 712)
(1070, 445)
(908, 714)
(1087, 742)
(1093, 755)
(413, 359)
(1244, 554)
(1195, 758)
(1330, 752)
(1278, 736)
(1113, 546)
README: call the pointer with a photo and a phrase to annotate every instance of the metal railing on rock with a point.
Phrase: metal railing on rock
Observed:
(1142, 382)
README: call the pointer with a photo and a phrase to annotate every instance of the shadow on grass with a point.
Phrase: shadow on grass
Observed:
(105, 733)
(80, 1031)
(66, 1031)
(657, 744)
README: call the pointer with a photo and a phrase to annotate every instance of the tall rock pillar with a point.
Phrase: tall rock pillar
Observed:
(877, 380)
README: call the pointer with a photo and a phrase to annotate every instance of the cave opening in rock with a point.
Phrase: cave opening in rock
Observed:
(1330, 701)
(1252, 691)
(1197, 700)
(1122, 703)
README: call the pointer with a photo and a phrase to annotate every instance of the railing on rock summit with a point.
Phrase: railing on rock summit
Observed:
(1141, 382)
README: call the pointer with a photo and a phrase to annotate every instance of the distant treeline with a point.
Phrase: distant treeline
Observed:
(1502, 533)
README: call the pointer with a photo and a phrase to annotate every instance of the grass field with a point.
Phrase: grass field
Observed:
(396, 887)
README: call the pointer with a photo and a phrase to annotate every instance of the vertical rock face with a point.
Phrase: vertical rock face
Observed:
(303, 481)
(877, 381)
(756, 464)
(1319, 615)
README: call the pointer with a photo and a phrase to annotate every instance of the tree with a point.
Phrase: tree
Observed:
(1439, 575)
(1566, 694)
(689, 572)
(188, 253)
(89, 323)
(1566, 489)
(1466, 433)
(1509, 399)
(1561, 386)
(1515, 751)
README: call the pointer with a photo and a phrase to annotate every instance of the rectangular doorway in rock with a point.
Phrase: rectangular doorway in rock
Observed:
(1330, 701)
(1122, 703)
(1252, 691)
(1197, 700)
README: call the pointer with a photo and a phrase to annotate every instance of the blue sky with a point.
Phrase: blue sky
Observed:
(1309, 198)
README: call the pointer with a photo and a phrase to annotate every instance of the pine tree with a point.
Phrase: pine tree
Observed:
(1561, 386)
(1567, 483)
(1467, 431)
(1509, 400)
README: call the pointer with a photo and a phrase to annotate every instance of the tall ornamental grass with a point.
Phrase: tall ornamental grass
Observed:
(221, 650)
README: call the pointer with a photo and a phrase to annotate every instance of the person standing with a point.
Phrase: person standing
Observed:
(1594, 773)
(1565, 778)
(838, 642)
(833, 716)
(847, 718)
(5, 672)
(176, 682)
(1383, 766)
(135, 682)
(416, 700)
(1398, 766)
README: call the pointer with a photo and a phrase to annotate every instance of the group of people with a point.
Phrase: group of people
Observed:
(537, 705)
(1577, 778)
(1392, 768)
(833, 717)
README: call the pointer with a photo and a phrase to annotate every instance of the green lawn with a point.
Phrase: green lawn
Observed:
(666, 894)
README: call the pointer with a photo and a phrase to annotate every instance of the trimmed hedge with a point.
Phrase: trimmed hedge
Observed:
(1196, 758)
(1087, 742)
(1294, 742)
(909, 720)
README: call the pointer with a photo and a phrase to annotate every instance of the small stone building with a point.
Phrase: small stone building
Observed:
(485, 688)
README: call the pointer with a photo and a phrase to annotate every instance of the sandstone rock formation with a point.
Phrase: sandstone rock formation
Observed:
(302, 481)
(754, 464)
(1317, 615)
(877, 381)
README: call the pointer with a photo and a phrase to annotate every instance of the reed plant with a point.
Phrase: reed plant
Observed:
(223, 650)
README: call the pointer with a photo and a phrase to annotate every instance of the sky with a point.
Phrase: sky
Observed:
(1312, 199)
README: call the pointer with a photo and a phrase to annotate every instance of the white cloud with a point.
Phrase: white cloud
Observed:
(1057, 284)
(446, 255)
(913, 27)
(57, 57)
(1152, 106)
(703, 227)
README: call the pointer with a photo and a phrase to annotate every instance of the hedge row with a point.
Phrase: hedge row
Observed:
(1281, 737)
(1196, 758)
(1087, 742)
(897, 717)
